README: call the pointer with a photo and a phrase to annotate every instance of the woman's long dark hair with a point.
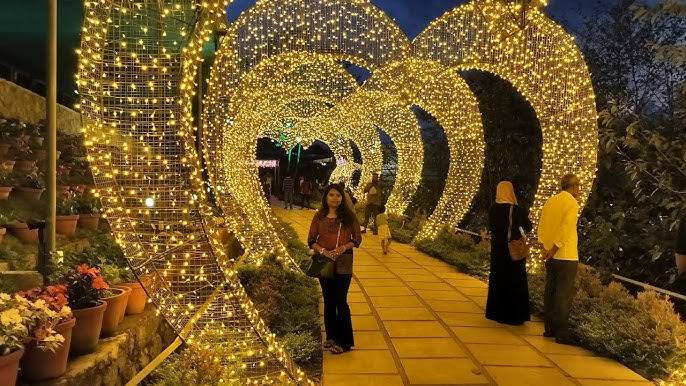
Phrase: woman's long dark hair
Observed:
(345, 214)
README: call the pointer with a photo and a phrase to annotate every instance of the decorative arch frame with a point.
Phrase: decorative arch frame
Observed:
(136, 78)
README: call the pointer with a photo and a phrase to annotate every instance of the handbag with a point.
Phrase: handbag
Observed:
(519, 249)
(320, 266)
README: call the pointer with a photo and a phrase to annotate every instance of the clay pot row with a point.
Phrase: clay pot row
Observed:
(81, 335)
(31, 194)
(64, 225)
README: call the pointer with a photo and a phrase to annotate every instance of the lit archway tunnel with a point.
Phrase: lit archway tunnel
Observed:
(137, 74)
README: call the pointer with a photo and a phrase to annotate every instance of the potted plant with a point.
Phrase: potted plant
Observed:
(117, 298)
(4, 146)
(16, 225)
(65, 222)
(138, 297)
(14, 331)
(6, 182)
(3, 225)
(25, 160)
(45, 358)
(63, 187)
(88, 208)
(7, 166)
(30, 187)
(85, 288)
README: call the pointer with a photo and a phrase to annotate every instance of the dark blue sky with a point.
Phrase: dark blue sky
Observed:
(414, 15)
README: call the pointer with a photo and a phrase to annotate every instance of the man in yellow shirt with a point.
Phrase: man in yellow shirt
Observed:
(557, 231)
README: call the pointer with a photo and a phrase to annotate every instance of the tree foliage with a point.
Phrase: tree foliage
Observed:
(636, 54)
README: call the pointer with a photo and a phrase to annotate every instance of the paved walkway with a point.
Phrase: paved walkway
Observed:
(418, 321)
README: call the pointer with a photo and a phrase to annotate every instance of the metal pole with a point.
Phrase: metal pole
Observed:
(51, 119)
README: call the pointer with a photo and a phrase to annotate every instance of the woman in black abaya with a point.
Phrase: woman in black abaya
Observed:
(508, 290)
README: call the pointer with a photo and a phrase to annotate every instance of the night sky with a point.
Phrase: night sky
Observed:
(22, 27)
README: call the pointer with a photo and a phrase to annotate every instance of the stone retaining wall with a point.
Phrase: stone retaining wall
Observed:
(20, 103)
(117, 359)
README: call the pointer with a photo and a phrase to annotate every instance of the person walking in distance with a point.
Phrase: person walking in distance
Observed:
(305, 193)
(384, 230)
(288, 186)
(373, 191)
(557, 231)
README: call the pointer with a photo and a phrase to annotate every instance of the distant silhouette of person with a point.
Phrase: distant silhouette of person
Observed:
(348, 197)
(557, 230)
(508, 289)
(305, 193)
(288, 188)
(373, 191)
(383, 229)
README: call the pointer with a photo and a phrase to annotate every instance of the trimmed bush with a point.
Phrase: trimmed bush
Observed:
(458, 250)
(404, 230)
(288, 302)
(203, 366)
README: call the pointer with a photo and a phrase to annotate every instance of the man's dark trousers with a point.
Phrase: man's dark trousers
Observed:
(559, 291)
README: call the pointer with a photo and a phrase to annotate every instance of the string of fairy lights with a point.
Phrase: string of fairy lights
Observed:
(282, 67)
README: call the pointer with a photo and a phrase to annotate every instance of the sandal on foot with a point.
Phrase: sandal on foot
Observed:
(328, 343)
(336, 349)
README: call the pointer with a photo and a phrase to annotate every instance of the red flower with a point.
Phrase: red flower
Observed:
(86, 269)
(99, 283)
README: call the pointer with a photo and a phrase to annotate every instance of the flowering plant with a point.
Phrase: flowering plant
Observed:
(85, 286)
(22, 319)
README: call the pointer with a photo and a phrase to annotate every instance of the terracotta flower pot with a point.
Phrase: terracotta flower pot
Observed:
(38, 365)
(24, 166)
(5, 192)
(137, 299)
(37, 141)
(9, 367)
(89, 221)
(87, 328)
(4, 147)
(66, 225)
(28, 194)
(8, 166)
(40, 154)
(2, 234)
(114, 312)
(21, 231)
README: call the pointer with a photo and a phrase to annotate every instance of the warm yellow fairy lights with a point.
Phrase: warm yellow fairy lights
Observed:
(544, 64)
(280, 67)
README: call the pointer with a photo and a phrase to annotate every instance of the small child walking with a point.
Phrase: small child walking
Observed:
(383, 229)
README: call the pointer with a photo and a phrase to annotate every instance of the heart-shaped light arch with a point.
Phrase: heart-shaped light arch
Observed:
(138, 65)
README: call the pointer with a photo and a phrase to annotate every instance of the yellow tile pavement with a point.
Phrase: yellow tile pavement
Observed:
(418, 321)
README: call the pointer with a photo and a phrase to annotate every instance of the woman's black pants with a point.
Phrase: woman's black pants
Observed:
(337, 320)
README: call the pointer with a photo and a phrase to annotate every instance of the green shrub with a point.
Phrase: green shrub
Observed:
(202, 366)
(296, 248)
(403, 229)
(288, 302)
(20, 256)
(303, 347)
(458, 250)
